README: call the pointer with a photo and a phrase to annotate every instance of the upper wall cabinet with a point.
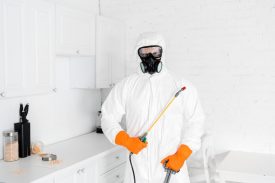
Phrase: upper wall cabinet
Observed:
(2, 68)
(12, 47)
(82, 72)
(26, 47)
(110, 51)
(75, 31)
(40, 52)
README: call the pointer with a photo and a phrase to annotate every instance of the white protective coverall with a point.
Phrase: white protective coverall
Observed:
(141, 97)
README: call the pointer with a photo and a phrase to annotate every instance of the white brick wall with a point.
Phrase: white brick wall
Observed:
(227, 49)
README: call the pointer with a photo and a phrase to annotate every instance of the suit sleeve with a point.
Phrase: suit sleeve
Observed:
(194, 115)
(113, 110)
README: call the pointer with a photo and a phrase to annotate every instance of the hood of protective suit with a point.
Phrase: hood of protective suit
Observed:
(147, 39)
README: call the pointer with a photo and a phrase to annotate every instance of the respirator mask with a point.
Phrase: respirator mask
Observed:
(150, 59)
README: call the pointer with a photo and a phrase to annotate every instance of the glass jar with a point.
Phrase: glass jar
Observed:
(10, 143)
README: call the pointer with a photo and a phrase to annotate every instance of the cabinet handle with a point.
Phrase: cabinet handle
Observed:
(117, 176)
(3, 94)
(82, 170)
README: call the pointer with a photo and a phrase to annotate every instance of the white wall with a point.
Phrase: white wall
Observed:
(227, 49)
(54, 116)
(90, 5)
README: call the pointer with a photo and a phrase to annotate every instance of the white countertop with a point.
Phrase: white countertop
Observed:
(70, 152)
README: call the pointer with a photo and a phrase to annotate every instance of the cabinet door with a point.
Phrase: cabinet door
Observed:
(86, 172)
(40, 34)
(111, 160)
(81, 173)
(2, 68)
(82, 72)
(86, 175)
(115, 175)
(26, 34)
(110, 50)
(66, 176)
(75, 31)
(12, 48)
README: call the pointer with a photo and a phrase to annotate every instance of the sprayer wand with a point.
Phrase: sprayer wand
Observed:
(144, 139)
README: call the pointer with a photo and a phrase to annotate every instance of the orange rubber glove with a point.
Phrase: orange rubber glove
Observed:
(176, 161)
(133, 144)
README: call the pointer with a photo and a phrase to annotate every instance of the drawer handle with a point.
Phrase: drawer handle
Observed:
(117, 176)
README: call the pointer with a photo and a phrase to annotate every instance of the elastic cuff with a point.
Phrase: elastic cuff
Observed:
(121, 138)
(184, 151)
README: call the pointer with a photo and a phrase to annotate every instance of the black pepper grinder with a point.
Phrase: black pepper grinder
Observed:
(23, 128)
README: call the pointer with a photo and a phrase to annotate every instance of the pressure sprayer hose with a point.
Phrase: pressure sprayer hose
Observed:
(130, 159)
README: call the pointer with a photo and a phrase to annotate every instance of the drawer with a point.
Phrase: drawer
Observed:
(111, 161)
(115, 175)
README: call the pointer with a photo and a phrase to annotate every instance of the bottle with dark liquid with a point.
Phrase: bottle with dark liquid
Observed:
(23, 128)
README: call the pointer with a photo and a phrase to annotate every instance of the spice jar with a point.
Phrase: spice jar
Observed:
(10, 142)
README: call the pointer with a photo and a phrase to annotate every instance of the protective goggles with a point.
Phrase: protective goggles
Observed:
(146, 51)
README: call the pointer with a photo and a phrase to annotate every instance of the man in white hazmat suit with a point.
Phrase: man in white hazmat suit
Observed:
(141, 97)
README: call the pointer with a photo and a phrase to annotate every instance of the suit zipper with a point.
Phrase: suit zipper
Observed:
(149, 112)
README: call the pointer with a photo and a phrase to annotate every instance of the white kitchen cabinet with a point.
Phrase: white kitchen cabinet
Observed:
(111, 167)
(2, 68)
(88, 158)
(115, 176)
(67, 176)
(40, 34)
(26, 34)
(80, 173)
(75, 31)
(82, 72)
(110, 51)
(12, 61)
(111, 161)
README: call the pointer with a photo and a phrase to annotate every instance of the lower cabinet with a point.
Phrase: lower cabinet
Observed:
(109, 168)
(115, 175)
(80, 173)
(111, 161)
